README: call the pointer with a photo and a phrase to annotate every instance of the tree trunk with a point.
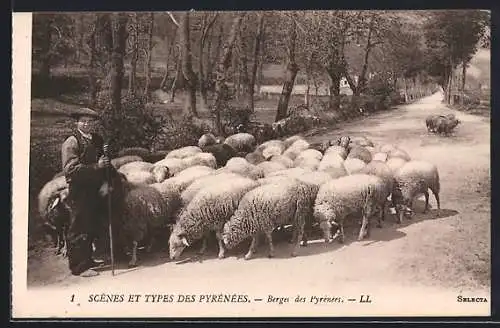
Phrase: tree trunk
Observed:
(334, 99)
(244, 80)
(222, 67)
(362, 77)
(119, 44)
(256, 61)
(213, 62)
(178, 78)
(291, 72)
(201, 72)
(187, 68)
(236, 76)
(93, 63)
(202, 77)
(164, 80)
(464, 73)
(135, 56)
(147, 90)
(260, 74)
(81, 37)
(45, 48)
(308, 89)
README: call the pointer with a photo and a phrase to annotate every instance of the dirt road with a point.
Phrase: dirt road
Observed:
(418, 267)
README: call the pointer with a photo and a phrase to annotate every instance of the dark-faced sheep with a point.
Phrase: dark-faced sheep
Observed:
(143, 214)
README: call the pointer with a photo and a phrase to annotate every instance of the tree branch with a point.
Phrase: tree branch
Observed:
(173, 18)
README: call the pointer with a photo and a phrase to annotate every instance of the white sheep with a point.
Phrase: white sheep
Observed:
(351, 194)
(412, 180)
(243, 167)
(353, 165)
(386, 148)
(337, 149)
(140, 178)
(361, 141)
(207, 139)
(195, 171)
(381, 170)
(211, 207)
(309, 153)
(399, 153)
(174, 165)
(296, 148)
(292, 172)
(136, 166)
(331, 160)
(206, 159)
(360, 153)
(213, 179)
(287, 162)
(271, 148)
(380, 156)
(269, 167)
(266, 207)
(184, 152)
(290, 140)
(241, 142)
(395, 163)
(255, 157)
(140, 172)
(274, 179)
(120, 161)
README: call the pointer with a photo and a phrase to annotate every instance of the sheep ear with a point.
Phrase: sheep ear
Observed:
(184, 241)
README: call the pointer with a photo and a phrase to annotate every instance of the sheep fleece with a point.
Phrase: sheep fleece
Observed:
(346, 195)
(266, 207)
(212, 207)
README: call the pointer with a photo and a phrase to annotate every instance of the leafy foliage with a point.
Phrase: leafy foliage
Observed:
(452, 37)
(135, 126)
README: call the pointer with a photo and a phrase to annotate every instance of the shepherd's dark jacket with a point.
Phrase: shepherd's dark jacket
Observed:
(79, 160)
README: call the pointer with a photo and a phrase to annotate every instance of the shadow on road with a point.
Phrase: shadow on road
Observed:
(390, 231)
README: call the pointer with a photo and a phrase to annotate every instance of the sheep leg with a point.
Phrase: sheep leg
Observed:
(426, 194)
(300, 233)
(270, 242)
(251, 250)
(59, 241)
(150, 245)
(204, 244)
(436, 196)
(64, 248)
(133, 261)
(382, 215)
(294, 236)
(365, 226)
(341, 232)
(221, 254)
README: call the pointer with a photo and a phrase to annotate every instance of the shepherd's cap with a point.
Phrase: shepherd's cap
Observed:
(84, 111)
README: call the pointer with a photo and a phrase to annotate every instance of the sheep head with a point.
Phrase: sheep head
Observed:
(177, 243)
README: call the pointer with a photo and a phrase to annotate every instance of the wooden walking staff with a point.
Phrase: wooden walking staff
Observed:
(108, 177)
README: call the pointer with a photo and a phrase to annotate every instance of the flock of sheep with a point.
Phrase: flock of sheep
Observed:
(239, 189)
(441, 124)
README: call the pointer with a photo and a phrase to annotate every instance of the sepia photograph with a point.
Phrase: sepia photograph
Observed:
(241, 164)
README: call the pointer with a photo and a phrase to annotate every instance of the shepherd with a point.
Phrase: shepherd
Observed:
(85, 168)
